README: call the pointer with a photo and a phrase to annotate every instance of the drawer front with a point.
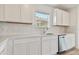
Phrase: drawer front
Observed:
(25, 40)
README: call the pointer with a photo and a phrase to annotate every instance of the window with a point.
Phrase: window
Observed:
(41, 19)
(42, 15)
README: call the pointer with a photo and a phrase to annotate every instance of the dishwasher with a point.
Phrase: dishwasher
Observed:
(65, 42)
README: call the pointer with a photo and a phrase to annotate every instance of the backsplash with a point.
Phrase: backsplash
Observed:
(57, 29)
(13, 28)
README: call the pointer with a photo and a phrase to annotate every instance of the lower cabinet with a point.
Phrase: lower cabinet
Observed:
(49, 45)
(46, 46)
(10, 46)
(19, 49)
(28, 46)
(33, 46)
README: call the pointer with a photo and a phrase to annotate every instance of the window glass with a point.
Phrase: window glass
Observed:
(43, 16)
(41, 19)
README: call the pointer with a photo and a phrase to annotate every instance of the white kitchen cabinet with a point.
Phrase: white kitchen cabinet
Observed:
(57, 17)
(49, 45)
(54, 45)
(31, 46)
(46, 46)
(35, 47)
(65, 18)
(1, 12)
(20, 46)
(26, 13)
(28, 46)
(70, 40)
(10, 45)
(19, 49)
(12, 13)
(16, 13)
(60, 17)
(14, 46)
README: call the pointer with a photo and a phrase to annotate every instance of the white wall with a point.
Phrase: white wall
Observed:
(77, 28)
(74, 22)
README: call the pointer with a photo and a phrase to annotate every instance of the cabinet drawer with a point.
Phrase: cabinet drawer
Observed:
(26, 40)
(50, 37)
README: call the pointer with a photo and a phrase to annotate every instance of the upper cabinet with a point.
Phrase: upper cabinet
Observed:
(40, 15)
(60, 17)
(1, 12)
(57, 17)
(26, 13)
(16, 13)
(65, 18)
(12, 12)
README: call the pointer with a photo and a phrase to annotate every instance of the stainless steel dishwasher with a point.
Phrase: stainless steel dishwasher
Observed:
(65, 42)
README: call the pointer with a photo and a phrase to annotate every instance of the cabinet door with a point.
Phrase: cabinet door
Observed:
(58, 15)
(26, 13)
(46, 46)
(10, 46)
(27, 46)
(49, 45)
(35, 46)
(54, 45)
(20, 46)
(1, 12)
(65, 17)
(70, 41)
(20, 49)
(12, 12)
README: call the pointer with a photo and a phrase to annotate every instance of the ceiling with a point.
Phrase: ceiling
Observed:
(64, 6)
